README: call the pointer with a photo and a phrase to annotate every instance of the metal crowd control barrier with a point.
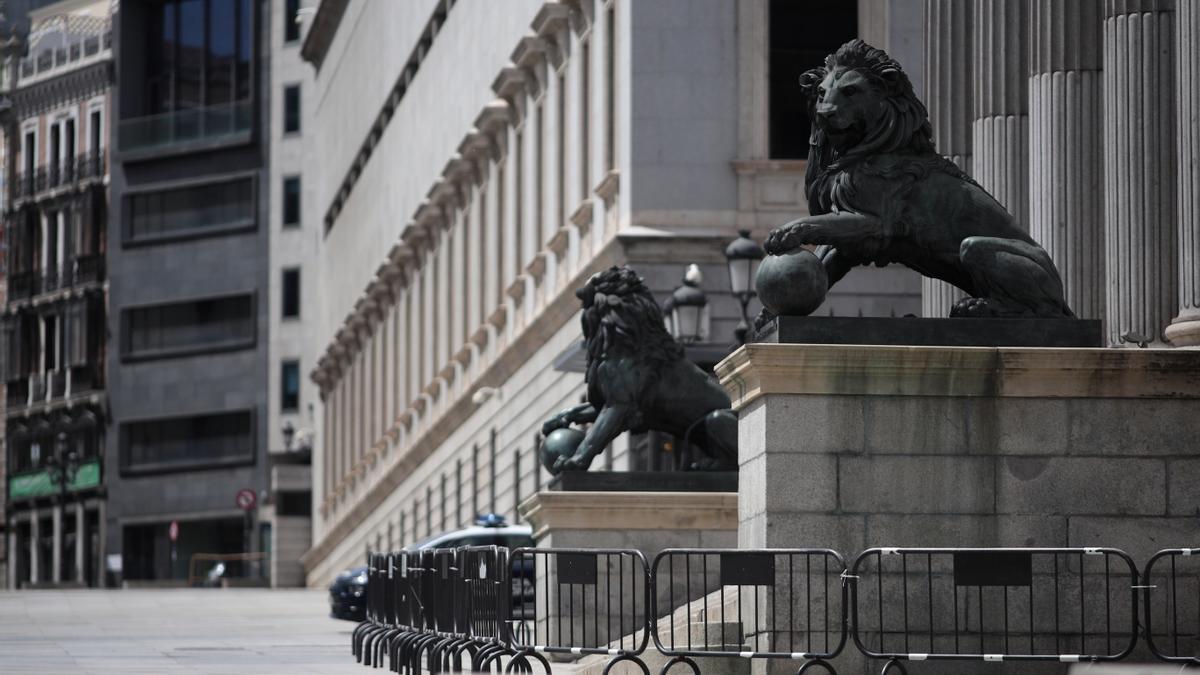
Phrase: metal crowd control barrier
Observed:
(588, 601)
(1171, 585)
(794, 599)
(1031, 604)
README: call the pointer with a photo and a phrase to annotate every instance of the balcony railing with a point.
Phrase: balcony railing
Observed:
(229, 122)
(54, 385)
(86, 166)
(83, 269)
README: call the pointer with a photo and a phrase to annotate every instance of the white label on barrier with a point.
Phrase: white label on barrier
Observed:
(993, 657)
(1069, 658)
(746, 655)
(482, 570)
(1188, 551)
(918, 657)
(391, 567)
(889, 551)
(1092, 551)
(404, 566)
(576, 650)
(799, 656)
(614, 652)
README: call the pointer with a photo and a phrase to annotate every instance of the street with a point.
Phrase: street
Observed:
(172, 630)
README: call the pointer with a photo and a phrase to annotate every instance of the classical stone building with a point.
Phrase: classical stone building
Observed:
(56, 407)
(1082, 118)
(473, 163)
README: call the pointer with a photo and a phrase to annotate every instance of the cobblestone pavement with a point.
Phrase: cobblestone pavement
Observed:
(172, 631)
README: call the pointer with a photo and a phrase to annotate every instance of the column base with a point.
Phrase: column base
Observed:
(1184, 330)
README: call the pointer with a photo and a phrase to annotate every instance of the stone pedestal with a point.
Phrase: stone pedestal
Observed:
(850, 447)
(645, 521)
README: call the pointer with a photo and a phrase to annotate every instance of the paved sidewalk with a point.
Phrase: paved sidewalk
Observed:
(172, 631)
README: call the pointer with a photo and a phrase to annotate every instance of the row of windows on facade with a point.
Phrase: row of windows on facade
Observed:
(68, 335)
(443, 278)
(219, 207)
(62, 139)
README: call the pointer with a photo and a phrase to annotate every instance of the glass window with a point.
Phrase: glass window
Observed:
(291, 201)
(802, 34)
(197, 53)
(291, 27)
(291, 109)
(291, 293)
(171, 444)
(185, 327)
(190, 211)
(290, 386)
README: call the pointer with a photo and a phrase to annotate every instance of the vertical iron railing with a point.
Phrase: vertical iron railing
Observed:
(1048, 604)
(768, 604)
(588, 601)
(1171, 589)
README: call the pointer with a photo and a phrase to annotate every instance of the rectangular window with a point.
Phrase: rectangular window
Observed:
(181, 443)
(188, 327)
(585, 82)
(291, 109)
(291, 24)
(801, 34)
(197, 210)
(95, 131)
(290, 386)
(291, 293)
(610, 95)
(197, 54)
(291, 201)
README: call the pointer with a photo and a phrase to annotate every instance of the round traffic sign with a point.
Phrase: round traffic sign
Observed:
(246, 499)
(173, 531)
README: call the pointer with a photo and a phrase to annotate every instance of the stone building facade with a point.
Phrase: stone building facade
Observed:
(1082, 121)
(56, 406)
(502, 154)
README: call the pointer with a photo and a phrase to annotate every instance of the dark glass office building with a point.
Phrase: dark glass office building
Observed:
(188, 268)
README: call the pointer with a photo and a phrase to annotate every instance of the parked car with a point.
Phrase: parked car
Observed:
(348, 592)
(348, 595)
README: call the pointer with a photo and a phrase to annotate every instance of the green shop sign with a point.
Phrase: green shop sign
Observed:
(38, 484)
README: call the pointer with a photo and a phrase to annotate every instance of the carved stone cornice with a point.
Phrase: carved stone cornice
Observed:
(510, 85)
(582, 15)
(559, 242)
(552, 23)
(531, 55)
(493, 122)
(72, 85)
(476, 150)
(537, 267)
(480, 337)
(429, 219)
(582, 216)
(516, 290)
(607, 188)
(498, 317)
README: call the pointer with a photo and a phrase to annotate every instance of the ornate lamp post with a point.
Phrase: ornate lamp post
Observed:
(688, 309)
(743, 256)
(63, 464)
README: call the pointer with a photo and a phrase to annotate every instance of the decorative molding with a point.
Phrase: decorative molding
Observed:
(516, 290)
(582, 216)
(608, 186)
(759, 369)
(550, 511)
(537, 267)
(510, 85)
(559, 242)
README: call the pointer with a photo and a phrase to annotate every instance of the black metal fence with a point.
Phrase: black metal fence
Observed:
(492, 610)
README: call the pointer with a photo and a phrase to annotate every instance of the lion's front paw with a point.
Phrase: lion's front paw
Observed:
(765, 316)
(576, 462)
(789, 237)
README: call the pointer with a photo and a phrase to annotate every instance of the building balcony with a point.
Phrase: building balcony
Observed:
(186, 130)
(84, 269)
(49, 179)
(56, 386)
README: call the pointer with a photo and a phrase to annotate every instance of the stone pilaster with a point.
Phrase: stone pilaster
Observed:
(1140, 171)
(1185, 329)
(1000, 132)
(56, 545)
(949, 31)
(1066, 128)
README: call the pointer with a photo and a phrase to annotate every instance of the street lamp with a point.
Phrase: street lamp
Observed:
(688, 309)
(743, 256)
(289, 435)
(62, 466)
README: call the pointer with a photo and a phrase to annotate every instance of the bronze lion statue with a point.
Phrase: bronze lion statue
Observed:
(879, 193)
(638, 379)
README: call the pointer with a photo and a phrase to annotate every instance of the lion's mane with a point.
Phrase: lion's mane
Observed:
(904, 130)
(621, 317)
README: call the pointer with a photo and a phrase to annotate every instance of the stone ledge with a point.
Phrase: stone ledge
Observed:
(630, 511)
(756, 370)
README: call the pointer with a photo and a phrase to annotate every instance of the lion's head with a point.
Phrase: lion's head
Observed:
(620, 314)
(861, 103)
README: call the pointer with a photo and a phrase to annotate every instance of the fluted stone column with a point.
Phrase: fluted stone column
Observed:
(949, 30)
(1066, 130)
(1140, 228)
(1000, 132)
(1184, 331)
